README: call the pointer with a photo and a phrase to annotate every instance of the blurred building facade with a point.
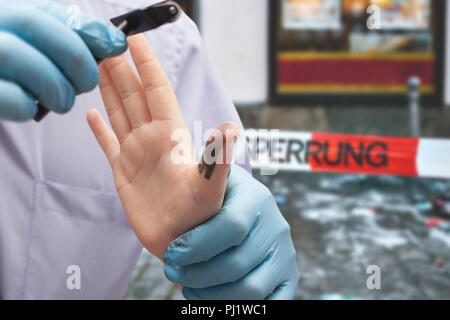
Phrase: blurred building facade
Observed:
(341, 51)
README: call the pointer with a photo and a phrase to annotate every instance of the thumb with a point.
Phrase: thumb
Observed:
(216, 161)
(103, 39)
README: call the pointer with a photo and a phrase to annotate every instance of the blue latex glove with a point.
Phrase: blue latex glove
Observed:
(47, 50)
(245, 252)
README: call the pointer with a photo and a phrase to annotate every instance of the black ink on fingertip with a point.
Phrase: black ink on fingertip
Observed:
(204, 167)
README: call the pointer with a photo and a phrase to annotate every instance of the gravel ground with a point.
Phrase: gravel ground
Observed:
(341, 224)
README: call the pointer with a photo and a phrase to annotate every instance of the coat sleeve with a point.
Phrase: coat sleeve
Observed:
(203, 99)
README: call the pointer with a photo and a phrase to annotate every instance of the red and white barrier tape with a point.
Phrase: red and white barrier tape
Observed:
(327, 152)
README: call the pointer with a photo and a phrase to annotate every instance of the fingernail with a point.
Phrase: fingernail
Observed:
(174, 273)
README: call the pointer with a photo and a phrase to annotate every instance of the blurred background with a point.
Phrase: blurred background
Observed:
(338, 66)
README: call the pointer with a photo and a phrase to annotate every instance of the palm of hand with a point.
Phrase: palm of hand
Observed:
(145, 175)
(161, 197)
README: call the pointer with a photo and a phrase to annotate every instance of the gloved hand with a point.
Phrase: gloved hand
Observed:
(47, 50)
(244, 252)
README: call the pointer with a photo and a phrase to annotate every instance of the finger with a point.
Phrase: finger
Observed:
(113, 104)
(35, 73)
(130, 90)
(160, 96)
(238, 215)
(15, 104)
(256, 285)
(104, 135)
(103, 39)
(218, 155)
(56, 41)
(229, 266)
(208, 179)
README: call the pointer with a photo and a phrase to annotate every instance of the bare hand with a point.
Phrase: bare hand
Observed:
(162, 198)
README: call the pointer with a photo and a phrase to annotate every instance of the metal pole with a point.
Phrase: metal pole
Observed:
(414, 106)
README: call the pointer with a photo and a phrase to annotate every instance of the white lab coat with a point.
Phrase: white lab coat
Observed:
(58, 204)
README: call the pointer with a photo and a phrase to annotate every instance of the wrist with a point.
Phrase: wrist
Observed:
(158, 245)
(155, 236)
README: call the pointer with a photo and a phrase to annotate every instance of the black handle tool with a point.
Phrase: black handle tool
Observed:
(136, 21)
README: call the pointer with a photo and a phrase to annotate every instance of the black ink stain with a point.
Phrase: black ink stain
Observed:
(208, 169)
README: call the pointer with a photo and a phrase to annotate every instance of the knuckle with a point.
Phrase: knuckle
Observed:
(284, 239)
(114, 63)
(128, 94)
(285, 227)
(238, 228)
(7, 40)
(147, 62)
(238, 267)
(254, 290)
(150, 87)
(113, 111)
(267, 196)
(24, 19)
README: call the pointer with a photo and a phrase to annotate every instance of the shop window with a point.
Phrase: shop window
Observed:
(355, 47)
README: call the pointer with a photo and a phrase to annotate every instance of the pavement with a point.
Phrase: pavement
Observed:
(343, 224)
